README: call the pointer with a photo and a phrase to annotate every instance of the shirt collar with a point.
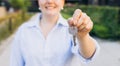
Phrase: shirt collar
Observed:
(34, 21)
(62, 21)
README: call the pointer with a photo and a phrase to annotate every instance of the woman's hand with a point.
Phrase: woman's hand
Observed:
(83, 23)
(84, 26)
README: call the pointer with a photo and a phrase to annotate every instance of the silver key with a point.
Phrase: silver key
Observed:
(73, 31)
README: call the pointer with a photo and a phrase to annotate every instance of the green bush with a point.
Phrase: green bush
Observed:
(101, 31)
(106, 19)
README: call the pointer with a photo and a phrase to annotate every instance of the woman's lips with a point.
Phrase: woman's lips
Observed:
(50, 7)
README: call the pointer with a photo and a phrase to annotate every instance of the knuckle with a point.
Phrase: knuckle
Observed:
(78, 10)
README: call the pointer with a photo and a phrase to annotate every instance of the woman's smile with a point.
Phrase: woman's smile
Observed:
(50, 7)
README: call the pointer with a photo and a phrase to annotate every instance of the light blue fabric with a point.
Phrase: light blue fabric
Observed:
(30, 48)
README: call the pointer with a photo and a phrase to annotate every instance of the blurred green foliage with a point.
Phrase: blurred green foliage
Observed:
(20, 4)
(106, 19)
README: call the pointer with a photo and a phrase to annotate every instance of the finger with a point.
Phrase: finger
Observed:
(81, 20)
(70, 22)
(83, 30)
(89, 26)
(77, 15)
(86, 29)
(84, 22)
(81, 27)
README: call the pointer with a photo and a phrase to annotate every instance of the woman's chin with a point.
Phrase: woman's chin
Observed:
(51, 13)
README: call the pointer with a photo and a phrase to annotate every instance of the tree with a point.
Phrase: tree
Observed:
(20, 4)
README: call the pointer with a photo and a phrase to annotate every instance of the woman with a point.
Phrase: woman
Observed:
(45, 39)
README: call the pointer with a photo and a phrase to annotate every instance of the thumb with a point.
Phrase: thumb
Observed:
(70, 21)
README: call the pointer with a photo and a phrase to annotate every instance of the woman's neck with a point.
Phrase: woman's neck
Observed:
(51, 20)
(47, 23)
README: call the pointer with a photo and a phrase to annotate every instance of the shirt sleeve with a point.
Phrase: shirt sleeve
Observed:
(16, 58)
(75, 50)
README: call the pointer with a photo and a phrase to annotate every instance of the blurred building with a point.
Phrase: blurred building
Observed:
(86, 2)
(96, 2)
(34, 6)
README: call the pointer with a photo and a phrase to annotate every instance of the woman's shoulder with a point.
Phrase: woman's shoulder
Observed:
(32, 21)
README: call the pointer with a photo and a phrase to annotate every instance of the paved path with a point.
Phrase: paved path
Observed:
(5, 51)
(109, 54)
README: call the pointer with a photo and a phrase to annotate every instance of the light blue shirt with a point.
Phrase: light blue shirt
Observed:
(30, 48)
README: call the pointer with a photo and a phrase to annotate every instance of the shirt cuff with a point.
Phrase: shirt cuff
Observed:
(75, 50)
